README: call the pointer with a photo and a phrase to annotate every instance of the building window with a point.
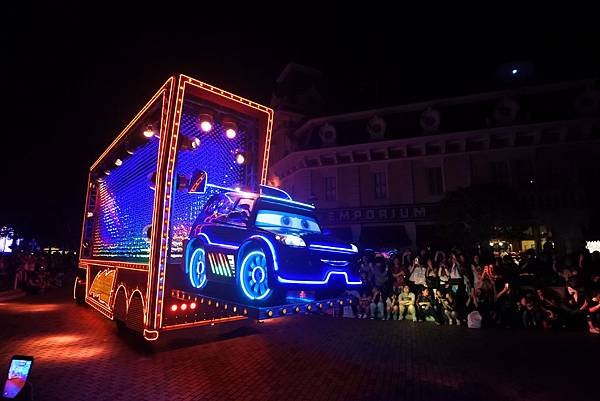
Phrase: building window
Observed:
(380, 181)
(330, 188)
(434, 177)
(500, 173)
(524, 173)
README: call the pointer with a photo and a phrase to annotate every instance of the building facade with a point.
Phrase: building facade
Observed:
(378, 176)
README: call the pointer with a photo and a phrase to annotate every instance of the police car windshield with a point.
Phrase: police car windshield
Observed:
(275, 220)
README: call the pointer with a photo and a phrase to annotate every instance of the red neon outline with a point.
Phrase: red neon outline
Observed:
(164, 128)
(163, 154)
(151, 335)
(99, 307)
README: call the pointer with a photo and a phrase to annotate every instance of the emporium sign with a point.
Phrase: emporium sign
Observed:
(378, 214)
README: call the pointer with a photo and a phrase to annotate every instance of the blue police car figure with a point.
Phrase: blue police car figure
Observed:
(263, 243)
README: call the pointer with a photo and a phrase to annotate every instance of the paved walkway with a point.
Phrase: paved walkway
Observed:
(79, 356)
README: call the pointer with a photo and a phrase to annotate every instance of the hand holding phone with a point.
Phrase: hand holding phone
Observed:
(16, 378)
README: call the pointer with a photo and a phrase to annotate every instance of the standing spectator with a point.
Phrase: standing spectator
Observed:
(431, 275)
(418, 275)
(477, 271)
(380, 274)
(456, 278)
(506, 303)
(399, 274)
(406, 257)
(443, 275)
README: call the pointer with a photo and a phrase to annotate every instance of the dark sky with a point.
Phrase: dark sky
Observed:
(72, 90)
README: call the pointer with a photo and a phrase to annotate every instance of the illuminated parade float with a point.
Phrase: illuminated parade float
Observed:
(180, 231)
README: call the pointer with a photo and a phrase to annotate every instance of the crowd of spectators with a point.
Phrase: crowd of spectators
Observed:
(503, 290)
(35, 272)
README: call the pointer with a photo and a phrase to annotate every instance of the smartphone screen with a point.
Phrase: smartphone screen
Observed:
(17, 376)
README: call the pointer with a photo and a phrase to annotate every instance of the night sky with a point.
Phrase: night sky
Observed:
(71, 91)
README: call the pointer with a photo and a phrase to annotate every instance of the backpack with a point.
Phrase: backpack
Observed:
(474, 320)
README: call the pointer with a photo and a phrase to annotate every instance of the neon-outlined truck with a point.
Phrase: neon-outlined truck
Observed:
(179, 229)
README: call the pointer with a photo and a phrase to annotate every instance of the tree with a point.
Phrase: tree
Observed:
(477, 214)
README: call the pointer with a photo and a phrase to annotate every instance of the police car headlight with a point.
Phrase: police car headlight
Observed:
(354, 248)
(291, 240)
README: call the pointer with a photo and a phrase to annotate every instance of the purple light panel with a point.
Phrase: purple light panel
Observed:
(124, 207)
(216, 156)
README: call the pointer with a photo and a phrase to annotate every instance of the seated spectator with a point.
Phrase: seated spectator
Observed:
(574, 308)
(425, 309)
(38, 282)
(593, 315)
(376, 307)
(530, 311)
(363, 305)
(438, 306)
(450, 312)
(354, 298)
(549, 309)
(406, 303)
(392, 307)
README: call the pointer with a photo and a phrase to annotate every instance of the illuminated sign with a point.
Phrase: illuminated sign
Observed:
(102, 285)
(378, 214)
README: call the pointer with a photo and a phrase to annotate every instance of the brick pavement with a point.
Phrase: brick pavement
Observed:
(79, 356)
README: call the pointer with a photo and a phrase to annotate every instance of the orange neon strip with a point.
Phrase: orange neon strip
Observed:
(164, 128)
(204, 323)
(156, 216)
(116, 265)
(167, 197)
